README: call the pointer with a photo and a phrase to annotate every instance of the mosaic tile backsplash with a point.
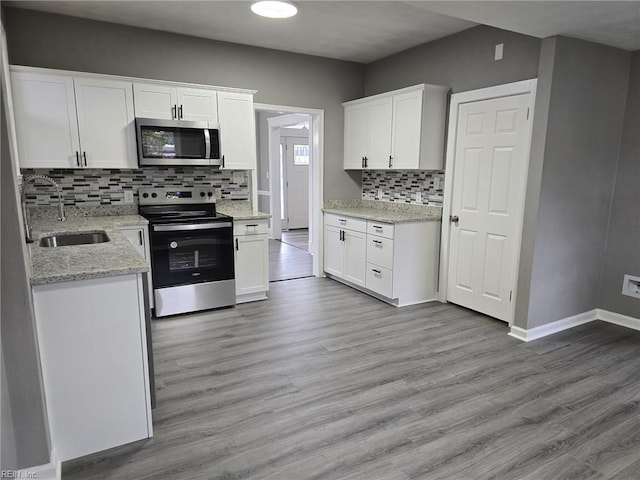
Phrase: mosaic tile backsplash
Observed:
(93, 187)
(402, 186)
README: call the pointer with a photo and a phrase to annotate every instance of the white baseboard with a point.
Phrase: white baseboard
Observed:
(619, 319)
(251, 297)
(528, 335)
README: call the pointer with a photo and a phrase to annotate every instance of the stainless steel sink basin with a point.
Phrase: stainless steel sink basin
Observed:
(80, 238)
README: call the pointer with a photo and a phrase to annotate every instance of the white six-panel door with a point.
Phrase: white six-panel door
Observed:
(491, 158)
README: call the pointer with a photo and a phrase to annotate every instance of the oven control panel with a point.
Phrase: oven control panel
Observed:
(176, 195)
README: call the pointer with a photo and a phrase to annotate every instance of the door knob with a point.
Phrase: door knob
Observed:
(454, 219)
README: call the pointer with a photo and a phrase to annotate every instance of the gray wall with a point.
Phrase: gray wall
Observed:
(464, 61)
(581, 147)
(25, 441)
(534, 177)
(623, 244)
(68, 43)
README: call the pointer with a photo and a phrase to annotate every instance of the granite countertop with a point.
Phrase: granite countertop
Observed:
(240, 210)
(387, 212)
(82, 262)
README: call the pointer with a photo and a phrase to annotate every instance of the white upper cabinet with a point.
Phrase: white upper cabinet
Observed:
(367, 134)
(406, 130)
(46, 122)
(153, 100)
(106, 123)
(198, 104)
(398, 130)
(82, 120)
(356, 135)
(237, 131)
(64, 121)
(379, 129)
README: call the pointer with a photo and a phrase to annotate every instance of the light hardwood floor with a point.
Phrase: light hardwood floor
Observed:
(324, 382)
(289, 258)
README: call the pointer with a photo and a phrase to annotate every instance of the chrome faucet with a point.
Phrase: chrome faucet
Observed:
(23, 202)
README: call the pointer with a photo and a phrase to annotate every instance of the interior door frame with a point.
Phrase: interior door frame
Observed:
(457, 99)
(316, 174)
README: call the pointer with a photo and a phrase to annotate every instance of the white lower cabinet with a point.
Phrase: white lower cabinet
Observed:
(92, 342)
(251, 244)
(397, 263)
(139, 238)
(344, 253)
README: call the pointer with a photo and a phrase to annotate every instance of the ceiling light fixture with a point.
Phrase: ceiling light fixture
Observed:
(274, 8)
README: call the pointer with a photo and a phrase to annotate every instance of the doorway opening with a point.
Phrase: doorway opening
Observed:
(288, 185)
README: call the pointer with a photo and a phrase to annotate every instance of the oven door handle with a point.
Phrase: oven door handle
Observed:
(191, 226)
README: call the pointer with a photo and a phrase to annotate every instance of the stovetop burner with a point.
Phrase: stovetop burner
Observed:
(192, 205)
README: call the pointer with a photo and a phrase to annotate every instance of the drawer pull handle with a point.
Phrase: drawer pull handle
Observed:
(254, 225)
(378, 242)
(376, 271)
(342, 220)
(377, 227)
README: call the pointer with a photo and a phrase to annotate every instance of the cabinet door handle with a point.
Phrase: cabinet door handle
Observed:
(174, 112)
(222, 161)
(84, 155)
(362, 162)
(237, 245)
(140, 237)
(366, 162)
(78, 159)
(390, 161)
(180, 112)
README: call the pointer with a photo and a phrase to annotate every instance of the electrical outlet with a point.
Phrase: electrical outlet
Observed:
(217, 192)
(128, 196)
(499, 51)
(418, 197)
(631, 286)
(379, 196)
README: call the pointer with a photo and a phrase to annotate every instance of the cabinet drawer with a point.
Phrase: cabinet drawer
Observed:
(379, 280)
(250, 227)
(380, 251)
(349, 223)
(379, 228)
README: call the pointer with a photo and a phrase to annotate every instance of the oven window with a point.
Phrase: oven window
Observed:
(191, 254)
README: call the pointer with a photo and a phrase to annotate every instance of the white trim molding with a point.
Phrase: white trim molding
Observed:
(619, 319)
(528, 335)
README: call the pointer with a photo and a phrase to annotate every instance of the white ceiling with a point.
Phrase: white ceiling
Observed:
(363, 31)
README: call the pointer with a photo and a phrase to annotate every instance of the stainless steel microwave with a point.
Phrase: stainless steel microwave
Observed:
(177, 142)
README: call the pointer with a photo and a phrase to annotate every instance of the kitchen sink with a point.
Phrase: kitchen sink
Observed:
(80, 238)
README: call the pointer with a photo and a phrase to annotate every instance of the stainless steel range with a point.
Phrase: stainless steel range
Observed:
(191, 250)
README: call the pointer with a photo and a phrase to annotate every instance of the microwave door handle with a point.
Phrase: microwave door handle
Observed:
(207, 143)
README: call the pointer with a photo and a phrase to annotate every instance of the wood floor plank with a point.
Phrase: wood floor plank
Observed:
(323, 382)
